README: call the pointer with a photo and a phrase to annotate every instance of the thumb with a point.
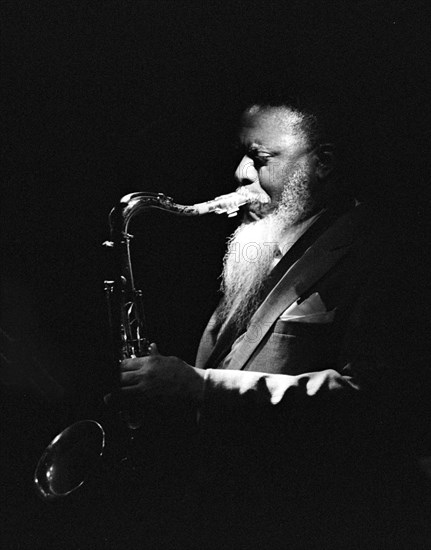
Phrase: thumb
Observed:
(152, 349)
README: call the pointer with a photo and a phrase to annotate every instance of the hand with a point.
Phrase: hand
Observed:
(157, 376)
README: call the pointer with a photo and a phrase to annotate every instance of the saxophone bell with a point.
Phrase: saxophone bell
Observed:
(69, 460)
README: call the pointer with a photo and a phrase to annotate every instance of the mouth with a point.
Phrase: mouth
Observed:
(258, 210)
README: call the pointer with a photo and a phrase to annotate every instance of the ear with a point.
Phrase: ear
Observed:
(325, 159)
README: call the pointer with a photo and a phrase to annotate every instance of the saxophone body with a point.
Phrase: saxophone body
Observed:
(74, 454)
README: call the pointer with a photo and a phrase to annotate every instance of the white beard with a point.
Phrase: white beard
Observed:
(250, 255)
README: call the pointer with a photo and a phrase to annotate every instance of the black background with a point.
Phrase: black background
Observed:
(104, 98)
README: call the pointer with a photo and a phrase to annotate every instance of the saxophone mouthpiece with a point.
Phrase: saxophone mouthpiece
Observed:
(230, 203)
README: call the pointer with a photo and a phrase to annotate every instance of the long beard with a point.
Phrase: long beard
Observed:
(251, 249)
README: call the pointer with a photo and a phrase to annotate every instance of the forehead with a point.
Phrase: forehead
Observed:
(273, 128)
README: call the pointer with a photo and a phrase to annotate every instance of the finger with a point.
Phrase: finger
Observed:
(130, 365)
(152, 349)
(129, 378)
(132, 392)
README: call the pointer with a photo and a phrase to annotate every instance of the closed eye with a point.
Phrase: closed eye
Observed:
(260, 159)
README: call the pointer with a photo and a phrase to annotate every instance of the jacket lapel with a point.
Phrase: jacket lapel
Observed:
(312, 264)
(333, 245)
(209, 339)
(289, 289)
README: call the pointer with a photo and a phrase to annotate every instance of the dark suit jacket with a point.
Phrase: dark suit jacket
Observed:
(304, 447)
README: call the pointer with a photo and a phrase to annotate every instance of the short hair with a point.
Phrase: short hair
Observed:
(317, 117)
(320, 113)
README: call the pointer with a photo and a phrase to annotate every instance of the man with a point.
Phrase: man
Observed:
(301, 370)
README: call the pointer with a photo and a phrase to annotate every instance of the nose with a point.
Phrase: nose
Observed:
(246, 172)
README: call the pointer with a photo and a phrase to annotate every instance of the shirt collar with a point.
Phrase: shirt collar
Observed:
(292, 235)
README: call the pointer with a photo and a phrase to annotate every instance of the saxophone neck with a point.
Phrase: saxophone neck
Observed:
(135, 203)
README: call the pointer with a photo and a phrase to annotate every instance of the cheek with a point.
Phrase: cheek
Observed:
(271, 179)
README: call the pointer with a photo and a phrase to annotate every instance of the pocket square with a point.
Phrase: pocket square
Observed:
(311, 310)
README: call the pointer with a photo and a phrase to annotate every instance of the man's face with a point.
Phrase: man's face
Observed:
(277, 157)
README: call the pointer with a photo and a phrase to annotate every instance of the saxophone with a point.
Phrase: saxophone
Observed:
(74, 454)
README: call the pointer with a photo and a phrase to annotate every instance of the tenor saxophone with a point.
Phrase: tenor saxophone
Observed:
(74, 454)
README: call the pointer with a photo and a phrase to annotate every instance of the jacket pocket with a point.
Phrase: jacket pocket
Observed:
(294, 348)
